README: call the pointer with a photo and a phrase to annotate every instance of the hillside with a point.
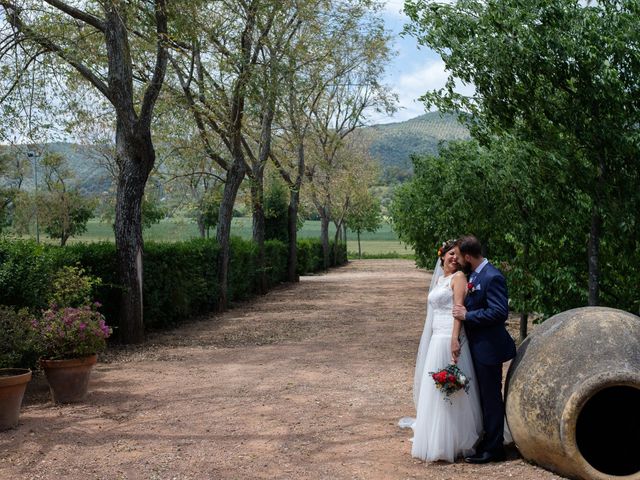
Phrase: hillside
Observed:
(89, 176)
(393, 143)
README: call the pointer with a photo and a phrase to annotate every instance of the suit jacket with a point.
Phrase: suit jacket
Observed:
(487, 311)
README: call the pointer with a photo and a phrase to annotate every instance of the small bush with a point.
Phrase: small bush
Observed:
(72, 288)
(17, 342)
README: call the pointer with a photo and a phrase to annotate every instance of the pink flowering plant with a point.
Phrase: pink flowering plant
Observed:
(76, 330)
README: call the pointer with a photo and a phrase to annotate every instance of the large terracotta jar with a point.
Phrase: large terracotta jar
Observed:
(68, 379)
(13, 382)
(573, 395)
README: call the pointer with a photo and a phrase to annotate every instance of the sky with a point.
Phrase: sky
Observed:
(413, 71)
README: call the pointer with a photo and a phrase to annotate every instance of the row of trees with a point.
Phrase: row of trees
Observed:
(550, 183)
(218, 89)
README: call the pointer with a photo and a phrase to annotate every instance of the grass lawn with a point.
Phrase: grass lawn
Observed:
(384, 241)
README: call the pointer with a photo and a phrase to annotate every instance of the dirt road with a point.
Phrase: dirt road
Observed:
(307, 382)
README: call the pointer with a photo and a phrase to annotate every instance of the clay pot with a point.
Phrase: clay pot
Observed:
(68, 379)
(573, 394)
(13, 382)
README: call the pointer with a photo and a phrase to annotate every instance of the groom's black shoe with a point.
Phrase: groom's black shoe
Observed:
(486, 457)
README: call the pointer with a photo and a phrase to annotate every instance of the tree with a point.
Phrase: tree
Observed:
(8, 191)
(64, 214)
(511, 196)
(562, 75)
(108, 44)
(352, 174)
(332, 52)
(342, 108)
(276, 203)
(64, 210)
(215, 75)
(365, 215)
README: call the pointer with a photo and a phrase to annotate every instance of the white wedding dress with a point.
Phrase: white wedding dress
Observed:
(443, 430)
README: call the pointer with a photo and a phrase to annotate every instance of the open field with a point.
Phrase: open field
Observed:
(384, 241)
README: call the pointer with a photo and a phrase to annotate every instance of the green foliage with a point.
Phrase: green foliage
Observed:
(276, 211)
(152, 212)
(17, 348)
(561, 76)
(26, 269)
(71, 287)
(64, 214)
(386, 255)
(510, 195)
(210, 208)
(180, 279)
(7, 192)
(364, 215)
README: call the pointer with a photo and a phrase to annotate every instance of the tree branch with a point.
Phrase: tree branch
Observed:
(78, 14)
(13, 16)
(160, 69)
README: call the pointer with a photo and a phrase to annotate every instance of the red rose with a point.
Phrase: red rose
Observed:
(469, 286)
(452, 379)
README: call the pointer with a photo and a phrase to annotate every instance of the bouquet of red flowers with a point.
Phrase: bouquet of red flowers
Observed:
(449, 380)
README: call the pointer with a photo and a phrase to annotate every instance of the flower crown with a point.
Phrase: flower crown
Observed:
(444, 244)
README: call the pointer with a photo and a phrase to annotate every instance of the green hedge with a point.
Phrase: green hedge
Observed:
(180, 279)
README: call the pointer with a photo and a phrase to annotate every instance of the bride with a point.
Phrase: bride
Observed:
(444, 430)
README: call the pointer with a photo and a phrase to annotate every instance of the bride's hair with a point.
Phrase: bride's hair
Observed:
(442, 251)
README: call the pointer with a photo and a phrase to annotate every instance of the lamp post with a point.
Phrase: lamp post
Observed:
(33, 156)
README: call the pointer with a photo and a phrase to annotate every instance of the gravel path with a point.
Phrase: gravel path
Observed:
(306, 382)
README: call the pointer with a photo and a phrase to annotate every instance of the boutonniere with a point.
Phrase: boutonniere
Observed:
(471, 287)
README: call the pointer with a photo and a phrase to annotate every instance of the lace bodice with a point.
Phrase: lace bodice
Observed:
(441, 301)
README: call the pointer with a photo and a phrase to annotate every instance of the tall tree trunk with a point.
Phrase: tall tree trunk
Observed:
(257, 188)
(292, 227)
(324, 236)
(135, 160)
(201, 226)
(257, 200)
(337, 241)
(344, 232)
(235, 175)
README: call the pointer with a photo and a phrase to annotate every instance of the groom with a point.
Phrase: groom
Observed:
(484, 313)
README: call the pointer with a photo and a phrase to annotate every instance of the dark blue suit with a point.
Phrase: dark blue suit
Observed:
(491, 346)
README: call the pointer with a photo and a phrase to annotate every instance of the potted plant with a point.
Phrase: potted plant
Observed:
(17, 355)
(70, 334)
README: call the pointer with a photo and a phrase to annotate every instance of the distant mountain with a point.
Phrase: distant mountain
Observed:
(393, 143)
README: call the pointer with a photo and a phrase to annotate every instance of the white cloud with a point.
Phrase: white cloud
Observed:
(394, 7)
(411, 85)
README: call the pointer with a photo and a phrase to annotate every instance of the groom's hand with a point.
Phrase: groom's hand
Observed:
(459, 312)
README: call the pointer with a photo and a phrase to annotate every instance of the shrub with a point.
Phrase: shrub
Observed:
(71, 327)
(180, 279)
(71, 332)
(26, 269)
(17, 346)
(72, 288)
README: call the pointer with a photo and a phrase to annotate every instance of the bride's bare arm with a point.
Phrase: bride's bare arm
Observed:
(458, 283)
